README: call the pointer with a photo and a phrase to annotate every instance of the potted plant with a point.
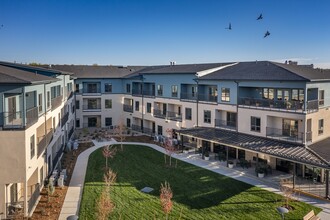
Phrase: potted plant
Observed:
(206, 156)
(230, 164)
(261, 170)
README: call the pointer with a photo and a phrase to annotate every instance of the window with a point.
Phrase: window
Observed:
(77, 123)
(77, 104)
(174, 91)
(77, 88)
(207, 116)
(48, 99)
(40, 103)
(108, 121)
(160, 90)
(225, 94)
(107, 87)
(188, 113)
(108, 103)
(279, 94)
(137, 106)
(128, 122)
(32, 146)
(321, 126)
(148, 107)
(321, 97)
(255, 124)
(128, 88)
(286, 95)
(91, 88)
(92, 104)
(160, 130)
(297, 95)
(268, 93)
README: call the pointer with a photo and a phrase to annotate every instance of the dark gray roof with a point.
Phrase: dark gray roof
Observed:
(322, 148)
(87, 71)
(267, 71)
(16, 76)
(182, 68)
(279, 149)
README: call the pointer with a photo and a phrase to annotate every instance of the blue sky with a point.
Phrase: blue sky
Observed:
(150, 32)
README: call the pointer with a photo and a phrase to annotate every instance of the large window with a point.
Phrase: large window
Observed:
(148, 107)
(321, 97)
(225, 94)
(207, 116)
(268, 93)
(40, 102)
(107, 87)
(92, 104)
(297, 95)
(108, 121)
(108, 103)
(32, 146)
(255, 124)
(174, 91)
(188, 114)
(321, 126)
(91, 88)
(160, 90)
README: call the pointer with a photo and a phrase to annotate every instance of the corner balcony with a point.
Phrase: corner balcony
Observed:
(12, 120)
(94, 108)
(231, 125)
(159, 113)
(290, 105)
(286, 135)
(174, 116)
(56, 102)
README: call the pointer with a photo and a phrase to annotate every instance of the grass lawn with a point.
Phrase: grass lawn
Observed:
(197, 193)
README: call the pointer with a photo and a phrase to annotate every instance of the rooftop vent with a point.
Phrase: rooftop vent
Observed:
(172, 63)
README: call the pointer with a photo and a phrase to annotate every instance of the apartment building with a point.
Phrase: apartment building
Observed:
(271, 112)
(37, 119)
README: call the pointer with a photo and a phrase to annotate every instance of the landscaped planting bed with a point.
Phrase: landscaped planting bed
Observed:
(197, 193)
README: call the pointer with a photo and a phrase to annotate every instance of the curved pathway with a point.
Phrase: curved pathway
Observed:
(73, 197)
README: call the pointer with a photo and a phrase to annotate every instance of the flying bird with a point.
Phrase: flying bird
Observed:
(260, 17)
(267, 34)
(229, 27)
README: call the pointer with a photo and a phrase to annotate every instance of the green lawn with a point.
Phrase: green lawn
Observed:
(197, 193)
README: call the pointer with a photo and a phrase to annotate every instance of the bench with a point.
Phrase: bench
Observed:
(311, 216)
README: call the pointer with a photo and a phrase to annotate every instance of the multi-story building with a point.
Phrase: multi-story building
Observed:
(37, 119)
(256, 111)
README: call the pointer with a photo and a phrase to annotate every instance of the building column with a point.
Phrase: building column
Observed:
(181, 137)
(322, 176)
(326, 184)
(236, 153)
(212, 147)
(227, 154)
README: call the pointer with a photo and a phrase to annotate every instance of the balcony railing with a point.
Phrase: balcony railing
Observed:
(128, 108)
(146, 92)
(31, 116)
(313, 105)
(57, 101)
(188, 96)
(92, 107)
(70, 94)
(58, 155)
(285, 134)
(91, 91)
(159, 113)
(309, 136)
(269, 103)
(12, 119)
(64, 119)
(175, 116)
(44, 141)
(207, 98)
(35, 189)
(70, 132)
(225, 124)
(144, 130)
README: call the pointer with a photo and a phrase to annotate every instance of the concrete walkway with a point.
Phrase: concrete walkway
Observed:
(73, 197)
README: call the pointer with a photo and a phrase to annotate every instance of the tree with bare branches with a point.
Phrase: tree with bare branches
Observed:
(168, 145)
(108, 152)
(166, 195)
(287, 191)
(120, 132)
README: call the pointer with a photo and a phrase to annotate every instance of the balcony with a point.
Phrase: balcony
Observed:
(313, 105)
(290, 135)
(58, 155)
(93, 107)
(146, 92)
(207, 98)
(159, 113)
(128, 108)
(174, 116)
(231, 125)
(70, 94)
(56, 102)
(272, 104)
(70, 132)
(64, 119)
(34, 196)
(31, 116)
(44, 141)
(188, 96)
(12, 119)
(144, 130)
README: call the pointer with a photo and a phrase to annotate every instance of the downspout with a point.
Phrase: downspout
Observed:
(142, 104)
(237, 100)
(197, 98)
(45, 116)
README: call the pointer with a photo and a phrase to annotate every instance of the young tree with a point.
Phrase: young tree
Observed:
(166, 198)
(287, 191)
(120, 131)
(168, 145)
(108, 152)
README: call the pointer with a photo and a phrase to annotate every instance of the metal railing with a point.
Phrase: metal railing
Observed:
(12, 119)
(175, 116)
(70, 94)
(128, 108)
(285, 134)
(43, 143)
(312, 105)
(34, 196)
(146, 92)
(94, 90)
(58, 155)
(31, 116)
(92, 107)
(70, 132)
(225, 124)
(144, 130)
(207, 98)
(159, 113)
(64, 119)
(57, 101)
(188, 96)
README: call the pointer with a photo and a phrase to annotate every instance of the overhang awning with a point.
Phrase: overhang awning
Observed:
(280, 149)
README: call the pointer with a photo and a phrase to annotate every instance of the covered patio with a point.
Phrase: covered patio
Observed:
(302, 168)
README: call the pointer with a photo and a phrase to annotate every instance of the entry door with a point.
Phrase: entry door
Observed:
(309, 130)
(11, 109)
(92, 122)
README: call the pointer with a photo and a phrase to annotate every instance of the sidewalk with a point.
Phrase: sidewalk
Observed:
(72, 200)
